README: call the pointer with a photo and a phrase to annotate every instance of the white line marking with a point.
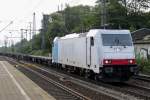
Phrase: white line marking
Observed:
(16, 83)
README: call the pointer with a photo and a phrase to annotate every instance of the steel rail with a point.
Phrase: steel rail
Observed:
(72, 92)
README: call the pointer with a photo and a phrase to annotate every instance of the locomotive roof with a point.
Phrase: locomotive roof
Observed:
(94, 32)
(74, 35)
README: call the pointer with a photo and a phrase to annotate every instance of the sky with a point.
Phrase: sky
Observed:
(21, 13)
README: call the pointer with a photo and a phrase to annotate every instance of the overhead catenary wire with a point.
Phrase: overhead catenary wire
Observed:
(17, 18)
(6, 26)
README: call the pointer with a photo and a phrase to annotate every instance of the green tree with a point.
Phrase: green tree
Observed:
(126, 14)
(135, 6)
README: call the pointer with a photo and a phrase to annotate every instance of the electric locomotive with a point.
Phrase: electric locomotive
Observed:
(106, 55)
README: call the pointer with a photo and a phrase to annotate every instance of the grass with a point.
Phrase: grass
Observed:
(144, 66)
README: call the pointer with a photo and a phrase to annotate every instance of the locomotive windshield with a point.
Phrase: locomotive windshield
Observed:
(116, 40)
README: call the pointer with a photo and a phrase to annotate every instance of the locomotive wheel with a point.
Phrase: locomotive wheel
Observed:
(96, 77)
(81, 72)
(87, 74)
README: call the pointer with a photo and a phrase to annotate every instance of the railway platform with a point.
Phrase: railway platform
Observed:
(14, 85)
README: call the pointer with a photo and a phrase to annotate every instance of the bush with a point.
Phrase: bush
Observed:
(40, 52)
(144, 65)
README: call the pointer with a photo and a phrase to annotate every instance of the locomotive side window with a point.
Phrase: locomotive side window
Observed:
(92, 41)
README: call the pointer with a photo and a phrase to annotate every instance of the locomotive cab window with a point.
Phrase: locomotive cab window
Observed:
(92, 41)
(116, 40)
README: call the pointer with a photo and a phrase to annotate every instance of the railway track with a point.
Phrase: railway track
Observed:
(135, 90)
(131, 88)
(95, 85)
(142, 77)
(74, 95)
(65, 93)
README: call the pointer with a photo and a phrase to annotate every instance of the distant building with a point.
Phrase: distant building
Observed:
(141, 39)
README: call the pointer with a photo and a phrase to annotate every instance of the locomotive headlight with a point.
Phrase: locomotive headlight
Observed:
(107, 61)
(131, 61)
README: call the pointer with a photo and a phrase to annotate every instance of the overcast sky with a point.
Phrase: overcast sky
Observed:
(21, 12)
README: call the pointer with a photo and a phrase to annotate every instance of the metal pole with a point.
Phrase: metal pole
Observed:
(103, 13)
(30, 34)
(44, 30)
(5, 42)
(21, 34)
(34, 30)
(21, 45)
(34, 25)
(30, 30)
(26, 34)
(11, 41)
